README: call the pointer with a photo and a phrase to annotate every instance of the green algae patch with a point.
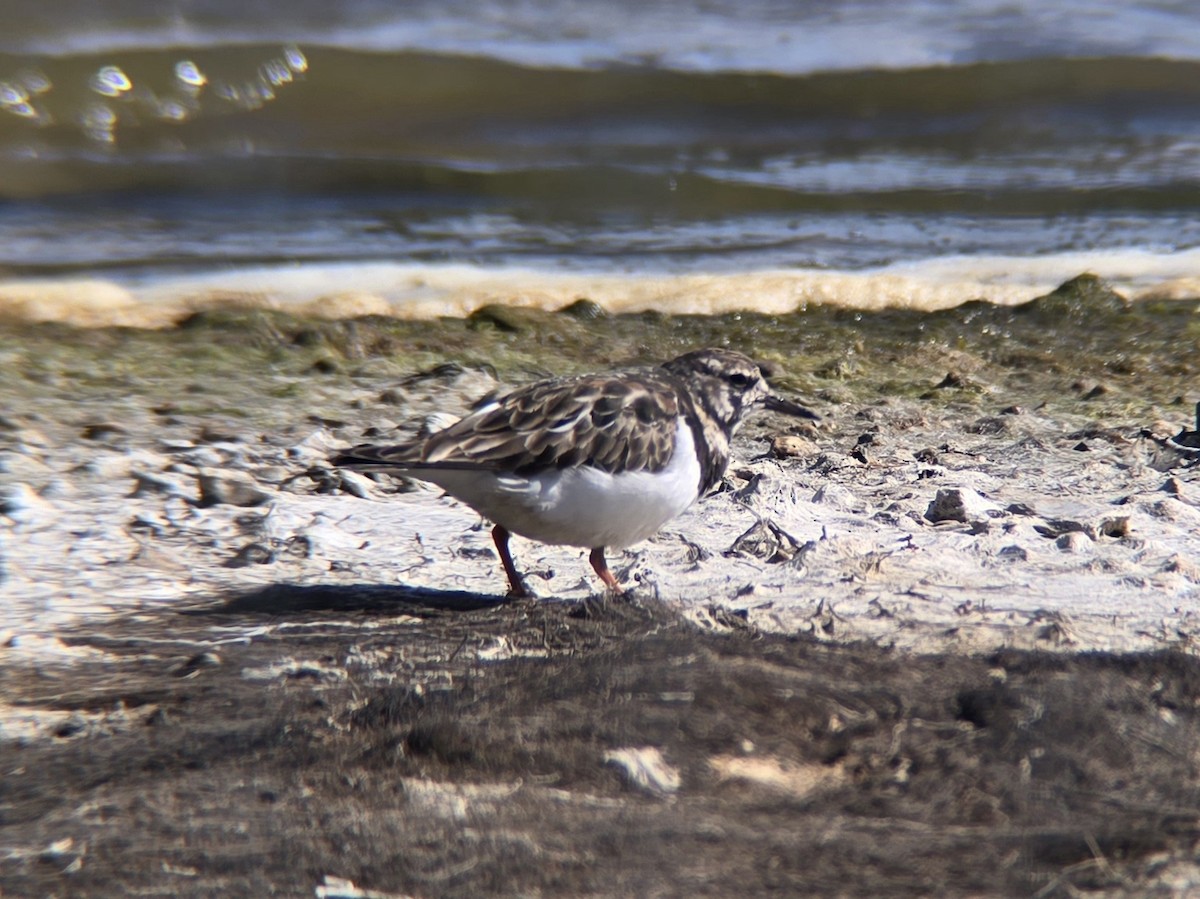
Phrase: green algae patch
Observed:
(1084, 299)
(1081, 348)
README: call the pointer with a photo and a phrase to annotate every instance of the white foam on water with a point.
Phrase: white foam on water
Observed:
(415, 291)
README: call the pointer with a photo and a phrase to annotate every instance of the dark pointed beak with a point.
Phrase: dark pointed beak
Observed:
(787, 407)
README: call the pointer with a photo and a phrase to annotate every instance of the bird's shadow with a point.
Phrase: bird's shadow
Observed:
(284, 599)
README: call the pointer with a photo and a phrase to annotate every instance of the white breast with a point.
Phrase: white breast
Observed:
(583, 506)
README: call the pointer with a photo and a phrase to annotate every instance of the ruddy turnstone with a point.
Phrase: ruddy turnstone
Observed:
(595, 461)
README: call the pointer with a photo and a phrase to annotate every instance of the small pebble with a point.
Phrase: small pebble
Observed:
(355, 484)
(791, 446)
(251, 554)
(102, 430)
(55, 489)
(234, 488)
(197, 663)
(959, 504)
(1115, 527)
(214, 433)
(1075, 541)
(146, 483)
(1013, 553)
(76, 724)
(326, 366)
(584, 310)
(1179, 564)
(952, 380)
(21, 503)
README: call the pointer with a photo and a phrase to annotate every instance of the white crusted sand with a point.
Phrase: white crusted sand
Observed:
(1062, 547)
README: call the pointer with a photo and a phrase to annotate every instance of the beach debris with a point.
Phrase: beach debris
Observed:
(784, 776)
(1088, 390)
(1187, 442)
(1053, 626)
(1056, 527)
(767, 541)
(645, 769)
(1172, 452)
(343, 888)
(216, 432)
(64, 854)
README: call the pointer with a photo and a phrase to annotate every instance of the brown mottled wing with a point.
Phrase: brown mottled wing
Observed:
(614, 424)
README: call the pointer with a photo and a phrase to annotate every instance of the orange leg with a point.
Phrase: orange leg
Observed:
(601, 567)
(516, 586)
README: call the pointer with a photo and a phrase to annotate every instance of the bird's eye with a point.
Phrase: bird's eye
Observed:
(739, 380)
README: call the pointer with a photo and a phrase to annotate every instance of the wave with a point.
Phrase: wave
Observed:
(711, 36)
(168, 162)
(1028, 135)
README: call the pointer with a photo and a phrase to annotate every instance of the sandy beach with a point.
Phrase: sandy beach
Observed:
(976, 529)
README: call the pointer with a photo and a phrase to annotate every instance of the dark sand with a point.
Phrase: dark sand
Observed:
(382, 750)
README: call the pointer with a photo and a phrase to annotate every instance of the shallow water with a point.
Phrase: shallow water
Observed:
(173, 153)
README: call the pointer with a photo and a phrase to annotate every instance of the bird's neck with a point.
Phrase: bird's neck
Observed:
(711, 433)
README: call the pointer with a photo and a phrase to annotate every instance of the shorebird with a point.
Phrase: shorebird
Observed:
(598, 461)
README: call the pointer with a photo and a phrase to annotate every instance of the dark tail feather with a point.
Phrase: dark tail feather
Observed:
(367, 457)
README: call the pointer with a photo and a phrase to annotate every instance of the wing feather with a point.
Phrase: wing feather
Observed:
(614, 424)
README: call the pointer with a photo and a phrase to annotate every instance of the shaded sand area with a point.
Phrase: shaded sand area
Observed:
(941, 642)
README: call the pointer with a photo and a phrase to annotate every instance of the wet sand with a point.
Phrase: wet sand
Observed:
(888, 655)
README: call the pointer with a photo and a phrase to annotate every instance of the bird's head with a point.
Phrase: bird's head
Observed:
(730, 384)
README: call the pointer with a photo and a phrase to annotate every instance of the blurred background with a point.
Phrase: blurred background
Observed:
(141, 139)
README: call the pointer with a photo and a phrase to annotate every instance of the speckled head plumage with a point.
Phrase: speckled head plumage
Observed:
(722, 386)
(726, 383)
